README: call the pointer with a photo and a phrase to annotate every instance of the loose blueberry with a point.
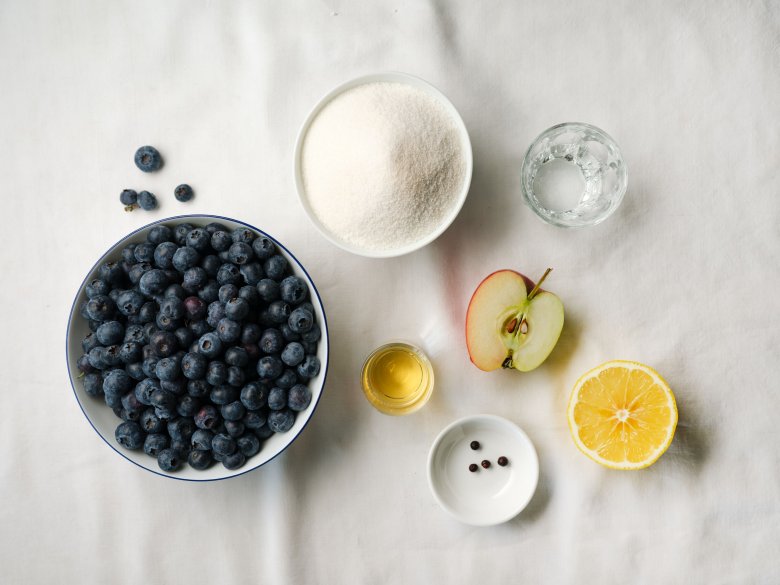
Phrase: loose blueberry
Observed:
(503, 461)
(474, 445)
(183, 193)
(473, 467)
(148, 159)
(128, 197)
(147, 200)
(485, 463)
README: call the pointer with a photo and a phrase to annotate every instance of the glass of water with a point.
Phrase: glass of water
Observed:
(574, 175)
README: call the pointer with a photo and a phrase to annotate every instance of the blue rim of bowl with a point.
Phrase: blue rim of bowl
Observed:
(398, 77)
(179, 218)
(557, 223)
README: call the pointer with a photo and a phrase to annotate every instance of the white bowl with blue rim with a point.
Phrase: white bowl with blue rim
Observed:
(103, 419)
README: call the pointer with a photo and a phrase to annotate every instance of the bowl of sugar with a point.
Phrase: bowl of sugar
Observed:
(383, 164)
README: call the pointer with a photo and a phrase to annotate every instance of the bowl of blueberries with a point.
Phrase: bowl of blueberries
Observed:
(197, 347)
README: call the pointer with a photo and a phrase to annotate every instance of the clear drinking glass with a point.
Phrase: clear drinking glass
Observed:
(573, 175)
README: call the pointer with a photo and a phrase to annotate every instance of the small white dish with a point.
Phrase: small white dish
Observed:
(487, 496)
(392, 77)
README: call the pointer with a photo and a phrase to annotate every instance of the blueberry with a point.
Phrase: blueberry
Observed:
(128, 197)
(293, 354)
(164, 413)
(201, 439)
(224, 394)
(184, 336)
(159, 234)
(287, 380)
(167, 369)
(312, 335)
(228, 330)
(234, 428)
(263, 432)
(252, 350)
(310, 367)
(97, 287)
(252, 273)
(210, 345)
(137, 271)
(163, 343)
(236, 377)
(229, 273)
(210, 292)
(165, 323)
(310, 347)
(199, 239)
(293, 290)
(216, 373)
(193, 366)
(194, 308)
(89, 342)
(289, 334)
(144, 390)
(129, 435)
(183, 192)
(281, 421)
(300, 320)
(275, 266)
(130, 302)
(240, 253)
(299, 397)
(215, 226)
(149, 366)
(135, 334)
(110, 333)
(248, 444)
(221, 241)
(153, 282)
(254, 419)
(223, 444)
(185, 258)
(180, 233)
(271, 341)
(188, 406)
(155, 443)
(144, 252)
(198, 388)
(169, 460)
(242, 235)
(93, 384)
(162, 399)
(194, 279)
(236, 356)
(130, 352)
(227, 292)
(128, 253)
(307, 306)
(279, 312)
(147, 200)
(215, 313)
(199, 328)
(117, 382)
(277, 398)
(181, 429)
(148, 159)
(111, 272)
(233, 411)
(234, 461)
(176, 387)
(100, 308)
(135, 371)
(269, 290)
(211, 264)
(200, 460)
(250, 333)
(163, 254)
(93, 325)
(172, 307)
(207, 417)
(182, 447)
(269, 367)
(150, 423)
(263, 247)
(254, 395)
(236, 309)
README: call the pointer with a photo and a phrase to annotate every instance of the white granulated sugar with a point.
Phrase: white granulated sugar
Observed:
(382, 165)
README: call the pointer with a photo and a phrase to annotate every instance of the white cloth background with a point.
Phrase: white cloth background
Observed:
(685, 277)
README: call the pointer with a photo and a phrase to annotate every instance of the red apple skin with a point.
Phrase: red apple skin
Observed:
(529, 285)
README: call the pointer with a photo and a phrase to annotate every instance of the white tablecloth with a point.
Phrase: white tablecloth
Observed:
(685, 277)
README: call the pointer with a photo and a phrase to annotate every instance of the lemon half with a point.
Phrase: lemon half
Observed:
(622, 414)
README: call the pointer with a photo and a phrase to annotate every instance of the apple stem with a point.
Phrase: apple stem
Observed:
(535, 289)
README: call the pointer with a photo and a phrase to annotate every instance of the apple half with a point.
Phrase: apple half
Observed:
(512, 323)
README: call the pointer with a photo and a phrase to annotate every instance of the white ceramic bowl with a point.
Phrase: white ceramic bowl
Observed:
(102, 418)
(487, 496)
(394, 77)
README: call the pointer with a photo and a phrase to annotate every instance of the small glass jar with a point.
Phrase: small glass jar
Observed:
(397, 378)
(574, 175)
